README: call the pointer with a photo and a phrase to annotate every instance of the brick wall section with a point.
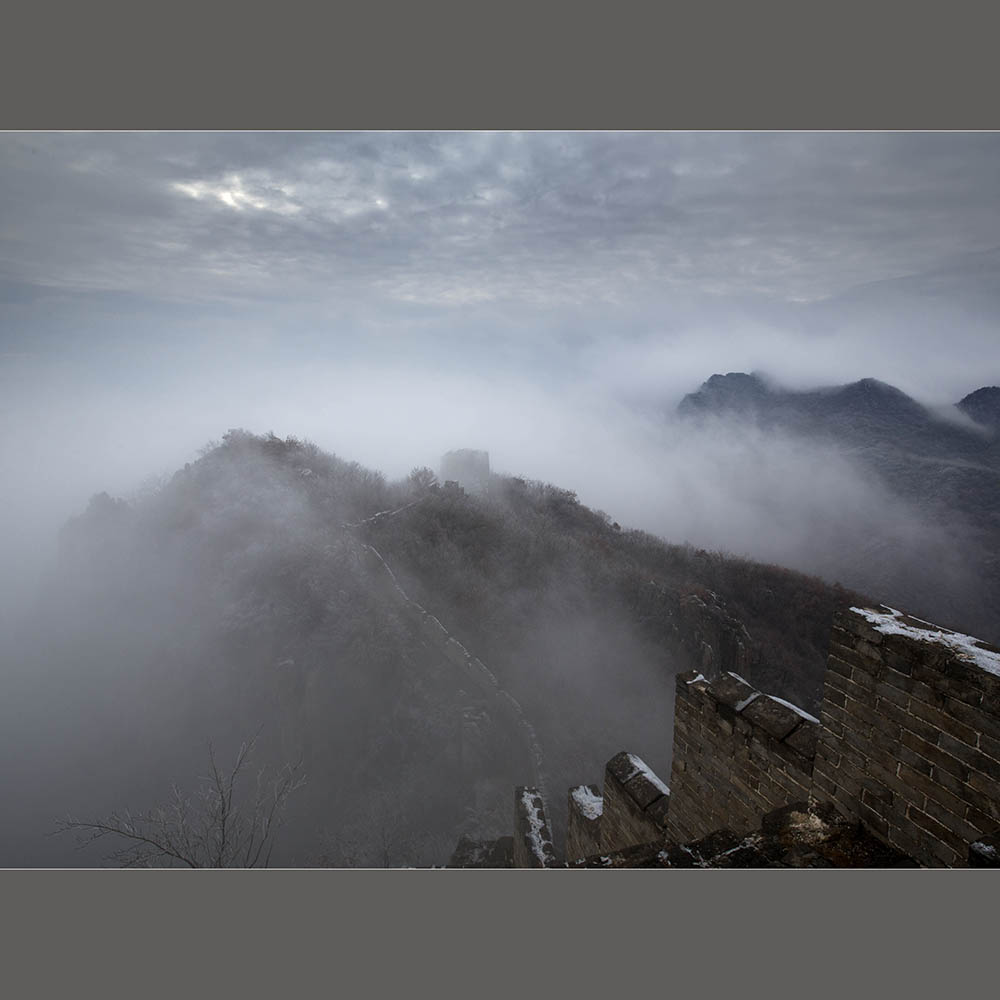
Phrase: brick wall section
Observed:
(635, 804)
(910, 741)
(532, 833)
(738, 754)
(583, 831)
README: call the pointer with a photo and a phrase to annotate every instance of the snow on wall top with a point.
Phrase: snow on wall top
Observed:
(795, 708)
(641, 767)
(889, 621)
(536, 824)
(589, 804)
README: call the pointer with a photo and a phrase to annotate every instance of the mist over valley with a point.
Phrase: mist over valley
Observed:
(725, 385)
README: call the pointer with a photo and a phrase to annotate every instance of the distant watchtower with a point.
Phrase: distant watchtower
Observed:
(470, 469)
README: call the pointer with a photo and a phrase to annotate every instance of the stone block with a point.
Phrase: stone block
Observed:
(532, 834)
(659, 810)
(774, 718)
(985, 852)
(583, 831)
(859, 627)
(731, 691)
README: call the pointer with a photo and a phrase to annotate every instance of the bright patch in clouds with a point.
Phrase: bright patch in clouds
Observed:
(232, 192)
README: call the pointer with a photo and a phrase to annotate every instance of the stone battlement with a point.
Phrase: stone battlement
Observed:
(901, 767)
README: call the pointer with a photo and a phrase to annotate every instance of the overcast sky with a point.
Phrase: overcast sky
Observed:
(391, 295)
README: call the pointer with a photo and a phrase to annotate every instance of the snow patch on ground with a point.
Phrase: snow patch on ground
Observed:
(890, 622)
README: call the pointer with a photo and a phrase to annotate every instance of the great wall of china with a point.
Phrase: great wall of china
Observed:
(902, 768)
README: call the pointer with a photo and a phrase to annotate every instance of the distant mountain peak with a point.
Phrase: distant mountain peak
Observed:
(734, 390)
(983, 406)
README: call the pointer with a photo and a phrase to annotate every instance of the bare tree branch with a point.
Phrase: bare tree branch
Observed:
(217, 831)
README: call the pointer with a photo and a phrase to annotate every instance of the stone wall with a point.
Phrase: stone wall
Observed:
(738, 754)
(910, 742)
(635, 804)
(632, 810)
(583, 830)
(532, 833)
(714, 638)
(906, 750)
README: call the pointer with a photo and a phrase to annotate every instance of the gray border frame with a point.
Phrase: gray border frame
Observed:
(484, 933)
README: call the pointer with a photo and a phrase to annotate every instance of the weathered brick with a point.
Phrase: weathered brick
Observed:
(852, 755)
(874, 791)
(957, 824)
(804, 739)
(943, 722)
(860, 710)
(894, 662)
(954, 678)
(834, 697)
(787, 758)
(886, 737)
(897, 785)
(989, 746)
(860, 627)
(974, 758)
(863, 678)
(984, 821)
(925, 784)
(897, 681)
(869, 650)
(858, 736)
(851, 657)
(872, 818)
(919, 727)
(790, 785)
(836, 664)
(907, 837)
(848, 783)
(891, 693)
(947, 854)
(827, 753)
(939, 832)
(989, 790)
(830, 715)
(840, 638)
(918, 763)
(945, 761)
(979, 717)
(839, 682)
(824, 779)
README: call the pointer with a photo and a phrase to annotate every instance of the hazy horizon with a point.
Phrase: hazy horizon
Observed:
(546, 296)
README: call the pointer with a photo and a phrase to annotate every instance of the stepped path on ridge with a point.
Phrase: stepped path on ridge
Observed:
(486, 677)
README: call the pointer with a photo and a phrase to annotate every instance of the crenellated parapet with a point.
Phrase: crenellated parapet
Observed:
(910, 736)
(738, 753)
(901, 767)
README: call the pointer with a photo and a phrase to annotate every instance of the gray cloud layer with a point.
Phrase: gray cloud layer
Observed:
(547, 296)
(459, 218)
